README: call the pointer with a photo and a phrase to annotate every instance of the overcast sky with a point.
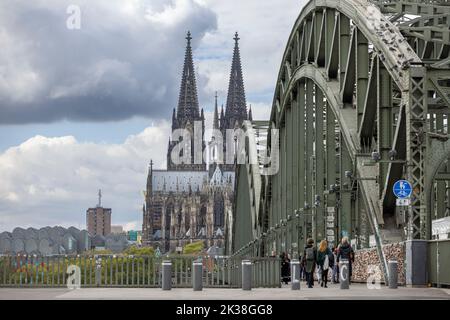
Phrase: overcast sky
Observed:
(83, 109)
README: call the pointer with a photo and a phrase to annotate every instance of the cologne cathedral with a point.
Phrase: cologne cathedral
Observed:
(192, 201)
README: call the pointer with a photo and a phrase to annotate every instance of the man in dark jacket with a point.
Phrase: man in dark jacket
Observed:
(345, 251)
(309, 261)
(285, 268)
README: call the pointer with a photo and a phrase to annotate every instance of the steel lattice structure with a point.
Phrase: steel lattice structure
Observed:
(361, 101)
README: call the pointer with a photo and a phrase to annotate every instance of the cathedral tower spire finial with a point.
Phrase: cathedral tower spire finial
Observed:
(150, 177)
(216, 115)
(188, 111)
(188, 37)
(236, 107)
(188, 108)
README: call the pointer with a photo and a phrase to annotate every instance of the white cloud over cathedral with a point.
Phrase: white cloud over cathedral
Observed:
(53, 180)
(125, 61)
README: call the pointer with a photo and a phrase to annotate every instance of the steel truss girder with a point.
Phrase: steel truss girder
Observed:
(328, 53)
(413, 7)
(416, 129)
(346, 120)
(428, 32)
(354, 27)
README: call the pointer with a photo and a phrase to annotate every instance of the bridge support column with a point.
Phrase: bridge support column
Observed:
(416, 148)
(301, 160)
(416, 262)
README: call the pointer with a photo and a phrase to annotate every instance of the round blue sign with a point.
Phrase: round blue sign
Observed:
(402, 189)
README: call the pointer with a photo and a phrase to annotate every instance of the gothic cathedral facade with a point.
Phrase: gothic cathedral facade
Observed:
(192, 201)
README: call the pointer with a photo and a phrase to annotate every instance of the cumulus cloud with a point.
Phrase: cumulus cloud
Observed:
(124, 61)
(54, 180)
(264, 28)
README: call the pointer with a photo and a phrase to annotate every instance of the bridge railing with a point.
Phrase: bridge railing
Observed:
(131, 271)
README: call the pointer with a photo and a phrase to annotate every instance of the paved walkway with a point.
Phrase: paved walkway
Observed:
(356, 291)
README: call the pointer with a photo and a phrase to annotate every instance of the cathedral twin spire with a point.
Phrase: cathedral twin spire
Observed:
(188, 107)
(188, 111)
(236, 108)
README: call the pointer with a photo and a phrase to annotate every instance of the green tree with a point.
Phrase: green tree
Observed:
(193, 248)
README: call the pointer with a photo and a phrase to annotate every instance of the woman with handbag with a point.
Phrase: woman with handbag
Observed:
(324, 261)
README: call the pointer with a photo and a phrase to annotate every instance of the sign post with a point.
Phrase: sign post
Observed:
(402, 190)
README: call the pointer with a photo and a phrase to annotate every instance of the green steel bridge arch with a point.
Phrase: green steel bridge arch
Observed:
(361, 101)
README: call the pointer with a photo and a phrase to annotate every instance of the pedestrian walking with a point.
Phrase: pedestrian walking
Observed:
(335, 274)
(345, 251)
(285, 268)
(309, 261)
(324, 260)
(302, 270)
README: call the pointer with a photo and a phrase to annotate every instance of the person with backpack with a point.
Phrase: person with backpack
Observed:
(345, 251)
(309, 261)
(325, 260)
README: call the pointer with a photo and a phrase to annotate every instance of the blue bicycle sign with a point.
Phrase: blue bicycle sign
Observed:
(402, 189)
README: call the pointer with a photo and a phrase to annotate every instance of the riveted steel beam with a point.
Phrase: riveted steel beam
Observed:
(319, 204)
(362, 72)
(332, 35)
(320, 38)
(301, 98)
(370, 104)
(416, 143)
(309, 148)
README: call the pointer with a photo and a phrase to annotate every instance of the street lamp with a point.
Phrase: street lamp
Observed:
(392, 154)
(376, 156)
(349, 174)
(316, 200)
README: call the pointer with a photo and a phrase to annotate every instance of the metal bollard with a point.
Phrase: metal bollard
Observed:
(393, 275)
(246, 275)
(197, 273)
(295, 274)
(166, 275)
(344, 274)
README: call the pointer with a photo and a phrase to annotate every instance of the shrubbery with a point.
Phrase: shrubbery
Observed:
(193, 248)
(135, 251)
